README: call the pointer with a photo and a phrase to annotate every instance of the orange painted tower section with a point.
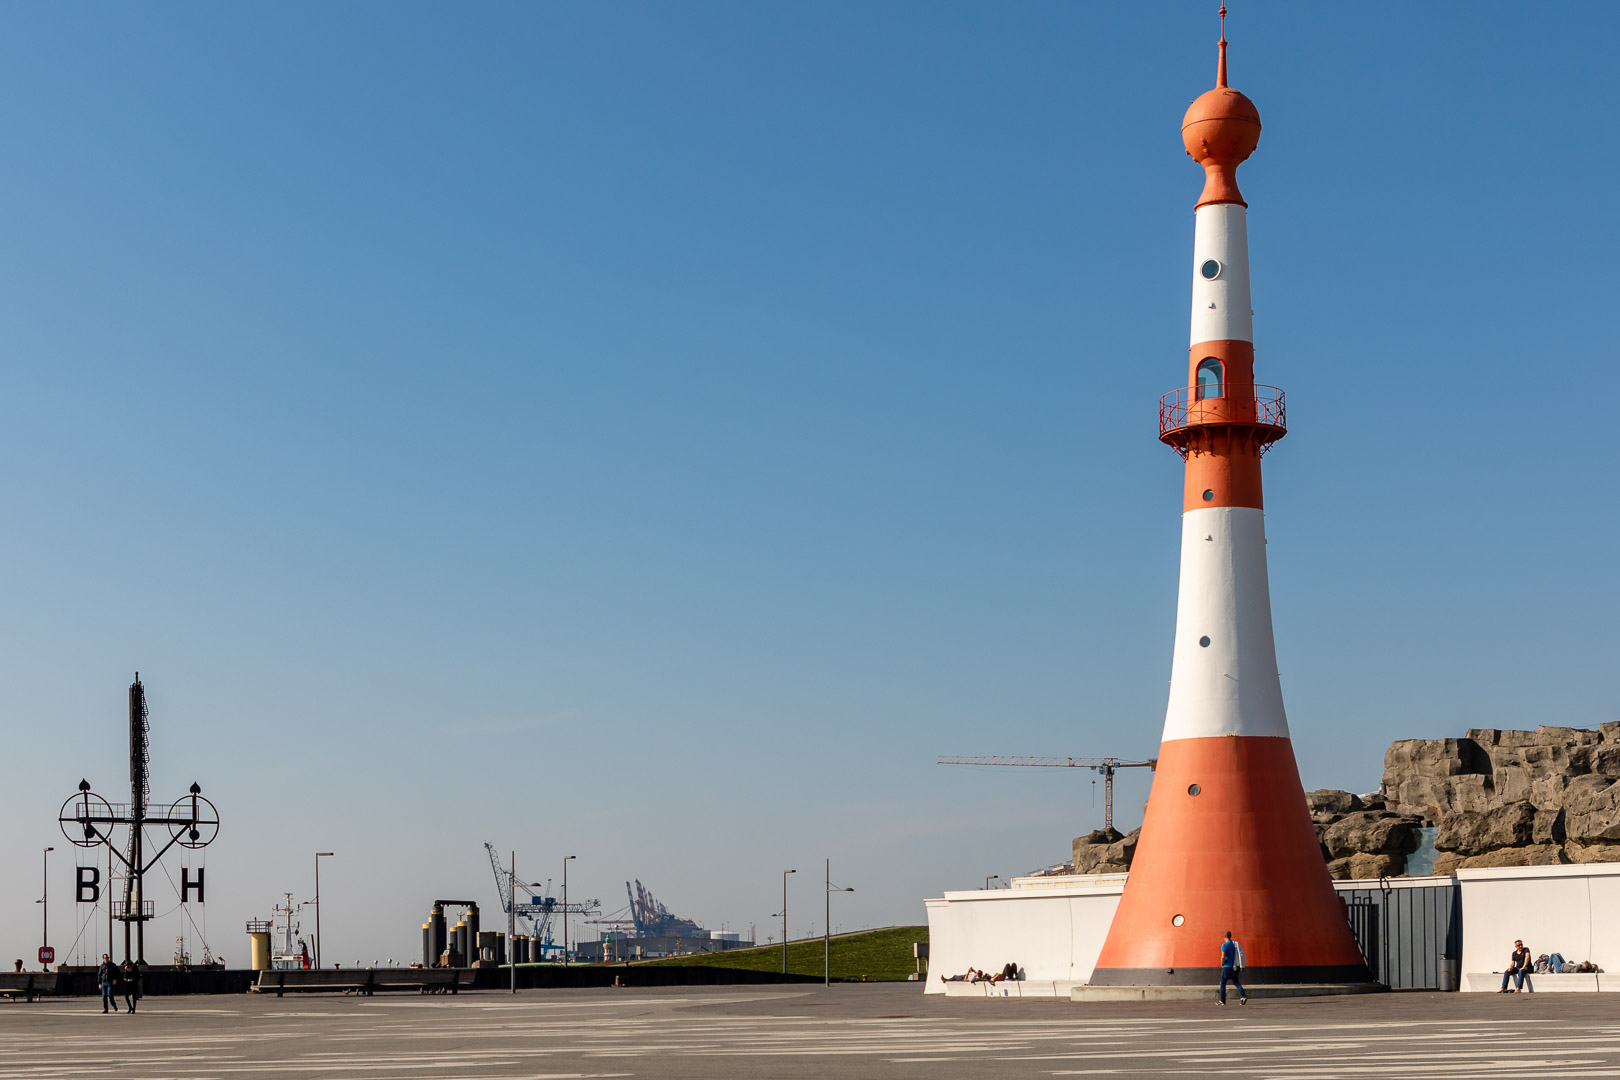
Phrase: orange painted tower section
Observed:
(1227, 841)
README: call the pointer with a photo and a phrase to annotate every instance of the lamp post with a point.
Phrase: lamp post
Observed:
(319, 855)
(511, 921)
(44, 904)
(785, 873)
(565, 908)
(992, 877)
(826, 934)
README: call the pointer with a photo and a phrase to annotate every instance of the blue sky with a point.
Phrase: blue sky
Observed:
(655, 432)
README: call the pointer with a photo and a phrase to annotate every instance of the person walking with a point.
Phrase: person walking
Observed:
(1232, 969)
(132, 985)
(107, 976)
(1518, 968)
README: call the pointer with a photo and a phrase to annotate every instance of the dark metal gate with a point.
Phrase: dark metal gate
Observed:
(1410, 934)
(1363, 916)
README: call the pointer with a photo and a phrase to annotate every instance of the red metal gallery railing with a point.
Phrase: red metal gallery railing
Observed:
(1183, 411)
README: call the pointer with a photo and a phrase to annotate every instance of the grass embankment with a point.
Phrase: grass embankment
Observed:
(881, 955)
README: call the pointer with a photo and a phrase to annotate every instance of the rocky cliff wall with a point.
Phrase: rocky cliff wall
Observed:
(1512, 798)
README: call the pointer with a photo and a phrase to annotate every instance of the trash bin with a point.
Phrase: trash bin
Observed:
(1448, 972)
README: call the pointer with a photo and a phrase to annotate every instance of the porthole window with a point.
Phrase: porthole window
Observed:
(1193, 789)
(1209, 494)
(1211, 269)
(1211, 379)
(1178, 920)
(1204, 641)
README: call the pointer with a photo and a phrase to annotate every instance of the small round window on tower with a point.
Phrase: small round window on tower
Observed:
(1178, 920)
(1204, 641)
(1211, 269)
(1193, 789)
(1209, 495)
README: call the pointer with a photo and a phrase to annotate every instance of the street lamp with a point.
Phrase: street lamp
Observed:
(319, 855)
(44, 906)
(511, 922)
(565, 907)
(785, 873)
(826, 930)
(992, 877)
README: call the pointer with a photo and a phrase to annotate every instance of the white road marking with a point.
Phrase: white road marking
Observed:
(507, 1039)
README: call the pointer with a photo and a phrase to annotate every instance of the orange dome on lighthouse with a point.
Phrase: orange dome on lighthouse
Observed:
(1220, 131)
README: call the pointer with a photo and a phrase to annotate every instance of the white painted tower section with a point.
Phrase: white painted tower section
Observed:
(1221, 308)
(1230, 686)
(1223, 676)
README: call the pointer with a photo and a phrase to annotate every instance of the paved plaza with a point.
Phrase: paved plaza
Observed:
(846, 1031)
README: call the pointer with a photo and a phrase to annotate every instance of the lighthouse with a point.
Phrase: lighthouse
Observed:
(1227, 842)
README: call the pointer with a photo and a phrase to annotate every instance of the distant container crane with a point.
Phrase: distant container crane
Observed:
(1104, 765)
(653, 919)
(653, 930)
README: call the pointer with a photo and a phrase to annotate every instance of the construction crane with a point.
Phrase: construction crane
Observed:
(539, 909)
(1104, 765)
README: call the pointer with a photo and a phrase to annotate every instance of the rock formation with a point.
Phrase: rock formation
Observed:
(1105, 851)
(1493, 798)
(1512, 798)
(1360, 836)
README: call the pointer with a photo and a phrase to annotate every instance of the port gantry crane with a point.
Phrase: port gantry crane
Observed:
(538, 909)
(1104, 765)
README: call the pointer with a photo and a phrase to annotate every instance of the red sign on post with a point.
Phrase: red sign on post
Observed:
(47, 955)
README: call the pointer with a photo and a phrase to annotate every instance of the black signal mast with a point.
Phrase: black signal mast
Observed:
(89, 821)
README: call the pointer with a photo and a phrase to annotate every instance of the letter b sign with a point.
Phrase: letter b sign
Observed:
(89, 884)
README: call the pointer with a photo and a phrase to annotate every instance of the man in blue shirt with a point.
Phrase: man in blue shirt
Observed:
(1232, 968)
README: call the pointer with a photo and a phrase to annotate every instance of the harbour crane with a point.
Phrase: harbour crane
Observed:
(1104, 765)
(538, 909)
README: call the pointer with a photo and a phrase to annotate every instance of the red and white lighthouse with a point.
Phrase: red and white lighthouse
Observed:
(1227, 842)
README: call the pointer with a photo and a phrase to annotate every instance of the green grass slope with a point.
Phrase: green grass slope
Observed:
(880, 955)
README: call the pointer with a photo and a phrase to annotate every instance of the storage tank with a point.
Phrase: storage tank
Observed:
(259, 945)
(439, 934)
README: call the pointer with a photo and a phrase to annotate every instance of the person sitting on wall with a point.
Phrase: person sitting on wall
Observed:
(1518, 968)
(1010, 971)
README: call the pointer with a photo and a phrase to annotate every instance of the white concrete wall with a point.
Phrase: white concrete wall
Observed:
(1566, 909)
(1053, 928)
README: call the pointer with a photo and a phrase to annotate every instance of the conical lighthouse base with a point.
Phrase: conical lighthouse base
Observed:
(1227, 845)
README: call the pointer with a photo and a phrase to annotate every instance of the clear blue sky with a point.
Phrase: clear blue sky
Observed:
(653, 432)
